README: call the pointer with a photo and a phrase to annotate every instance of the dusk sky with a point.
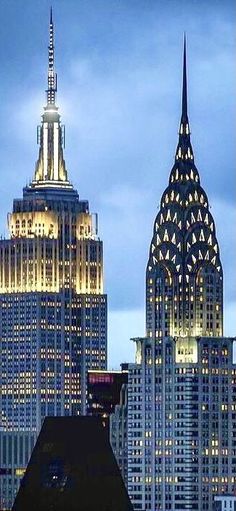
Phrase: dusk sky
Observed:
(119, 66)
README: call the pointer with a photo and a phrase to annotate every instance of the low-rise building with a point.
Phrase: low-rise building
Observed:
(224, 503)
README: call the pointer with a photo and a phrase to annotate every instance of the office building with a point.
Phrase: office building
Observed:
(182, 386)
(107, 398)
(104, 389)
(53, 312)
(224, 503)
(118, 432)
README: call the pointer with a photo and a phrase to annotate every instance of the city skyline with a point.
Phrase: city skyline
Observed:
(120, 105)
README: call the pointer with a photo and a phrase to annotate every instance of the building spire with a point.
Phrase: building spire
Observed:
(52, 76)
(184, 168)
(184, 149)
(50, 167)
(184, 89)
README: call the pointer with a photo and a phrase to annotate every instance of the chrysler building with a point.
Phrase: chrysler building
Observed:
(181, 425)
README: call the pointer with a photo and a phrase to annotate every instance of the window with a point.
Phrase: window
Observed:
(54, 475)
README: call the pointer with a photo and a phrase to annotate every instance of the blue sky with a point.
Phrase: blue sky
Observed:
(119, 65)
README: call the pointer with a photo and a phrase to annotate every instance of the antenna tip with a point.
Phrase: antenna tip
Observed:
(184, 89)
(185, 41)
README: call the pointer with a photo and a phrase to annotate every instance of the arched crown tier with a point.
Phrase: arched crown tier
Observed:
(184, 268)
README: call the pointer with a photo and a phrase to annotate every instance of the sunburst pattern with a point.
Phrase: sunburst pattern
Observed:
(184, 272)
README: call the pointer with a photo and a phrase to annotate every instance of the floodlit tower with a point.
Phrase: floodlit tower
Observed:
(181, 388)
(53, 310)
(184, 278)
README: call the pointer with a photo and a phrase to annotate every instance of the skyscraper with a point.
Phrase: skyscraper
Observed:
(184, 269)
(182, 387)
(53, 311)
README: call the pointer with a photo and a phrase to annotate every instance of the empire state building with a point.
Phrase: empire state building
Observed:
(53, 310)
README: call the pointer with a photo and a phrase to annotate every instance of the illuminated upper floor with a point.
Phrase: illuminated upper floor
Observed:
(184, 279)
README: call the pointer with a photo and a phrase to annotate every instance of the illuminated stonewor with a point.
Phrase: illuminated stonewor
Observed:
(182, 387)
(53, 311)
(50, 167)
(184, 273)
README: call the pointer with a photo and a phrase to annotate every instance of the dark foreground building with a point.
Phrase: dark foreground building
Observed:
(72, 468)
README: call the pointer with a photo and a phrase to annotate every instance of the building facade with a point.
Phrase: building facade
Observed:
(182, 386)
(53, 310)
(119, 432)
(181, 423)
(103, 390)
(224, 503)
(107, 398)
